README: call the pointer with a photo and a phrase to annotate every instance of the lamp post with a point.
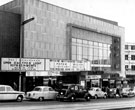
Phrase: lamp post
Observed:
(21, 48)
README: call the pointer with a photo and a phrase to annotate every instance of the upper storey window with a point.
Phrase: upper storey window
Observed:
(126, 47)
(132, 47)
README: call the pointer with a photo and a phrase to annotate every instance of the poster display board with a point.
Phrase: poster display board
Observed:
(12, 64)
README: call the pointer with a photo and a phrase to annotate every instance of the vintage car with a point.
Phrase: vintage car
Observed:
(41, 93)
(8, 93)
(96, 92)
(127, 92)
(133, 90)
(112, 93)
(72, 92)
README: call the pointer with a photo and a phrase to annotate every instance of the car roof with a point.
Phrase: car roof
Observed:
(43, 86)
(126, 88)
(96, 88)
(71, 84)
(4, 85)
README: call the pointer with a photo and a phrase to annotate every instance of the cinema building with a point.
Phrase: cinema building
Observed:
(62, 45)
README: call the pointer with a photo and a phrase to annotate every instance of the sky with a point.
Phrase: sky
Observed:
(121, 11)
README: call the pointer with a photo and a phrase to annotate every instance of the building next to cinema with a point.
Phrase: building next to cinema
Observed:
(130, 62)
(60, 45)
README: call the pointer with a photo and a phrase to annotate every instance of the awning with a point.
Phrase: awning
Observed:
(42, 73)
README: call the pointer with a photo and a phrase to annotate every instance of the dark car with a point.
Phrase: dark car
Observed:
(112, 93)
(72, 92)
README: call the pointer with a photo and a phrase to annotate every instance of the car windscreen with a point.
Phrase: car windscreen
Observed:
(37, 89)
(64, 87)
(91, 89)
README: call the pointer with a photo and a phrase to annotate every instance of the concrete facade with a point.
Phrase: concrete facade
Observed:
(49, 35)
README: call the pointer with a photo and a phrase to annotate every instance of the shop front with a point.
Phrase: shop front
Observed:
(38, 72)
(93, 79)
(72, 72)
(10, 70)
(104, 80)
(41, 78)
(111, 80)
(10, 78)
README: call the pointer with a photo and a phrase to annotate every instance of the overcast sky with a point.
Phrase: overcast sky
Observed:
(122, 11)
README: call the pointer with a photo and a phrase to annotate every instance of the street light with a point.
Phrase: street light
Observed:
(21, 46)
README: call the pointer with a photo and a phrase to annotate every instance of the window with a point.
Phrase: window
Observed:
(74, 57)
(79, 41)
(51, 89)
(85, 51)
(73, 40)
(79, 50)
(132, 47)
(132, 57)
(97, 52)
(126, 57)
(126, 47)
(9, 89)
(45, 89)
(126, 67)
(2, 88)
(37, 89)
(73, 50)
(133, 67)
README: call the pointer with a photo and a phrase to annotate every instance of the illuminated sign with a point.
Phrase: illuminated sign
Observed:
(65, 65)
(26, 64)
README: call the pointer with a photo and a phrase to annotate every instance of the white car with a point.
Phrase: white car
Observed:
(96, 92)
(127, 92)
(8, 93)
(42, 92)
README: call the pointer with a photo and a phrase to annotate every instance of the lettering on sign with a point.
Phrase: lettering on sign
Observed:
(63, 65)
(26, 64)
(93, 76)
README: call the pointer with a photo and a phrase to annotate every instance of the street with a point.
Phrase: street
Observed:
(94, 104)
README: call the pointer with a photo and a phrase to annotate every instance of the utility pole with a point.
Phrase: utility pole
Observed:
(21, 48)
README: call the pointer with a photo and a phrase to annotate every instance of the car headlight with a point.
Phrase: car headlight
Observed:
(61, 93)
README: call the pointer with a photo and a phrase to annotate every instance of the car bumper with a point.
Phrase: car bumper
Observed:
(61, 97)
(128, 95)
(32, 98)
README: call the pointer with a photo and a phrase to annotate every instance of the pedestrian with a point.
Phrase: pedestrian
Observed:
(108, 90)
(49, 82)
(14, 86)
(118, 91)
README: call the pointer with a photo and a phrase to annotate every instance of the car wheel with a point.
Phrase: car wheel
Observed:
(72, 98)
(19, 99)
(88, 98)
(40, 98)
(95, 97)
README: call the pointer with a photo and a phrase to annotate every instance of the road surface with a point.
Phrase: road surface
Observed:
(94, 104)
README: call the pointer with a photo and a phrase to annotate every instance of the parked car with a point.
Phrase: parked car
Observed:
(112, 93)
(96, 92)
(72, 92)
(8, 93)
(41, 93)
(133, 90)
(127, 92)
